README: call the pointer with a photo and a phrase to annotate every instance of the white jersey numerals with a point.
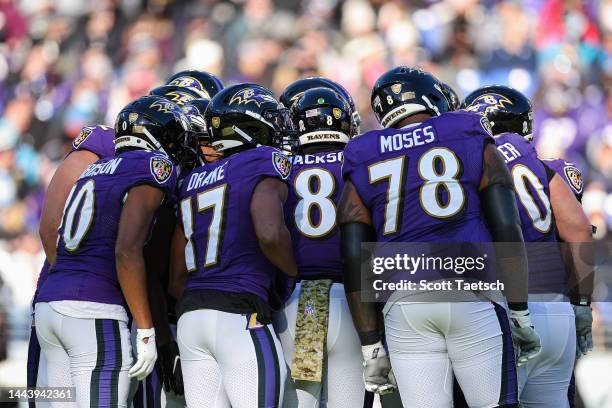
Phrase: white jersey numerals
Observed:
(439, 168)
(212, 199)
(83, 204)
(392, 171)
(446, 179)
(318, 198)
(522, 175)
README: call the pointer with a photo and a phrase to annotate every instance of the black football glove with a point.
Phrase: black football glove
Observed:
(171, 375)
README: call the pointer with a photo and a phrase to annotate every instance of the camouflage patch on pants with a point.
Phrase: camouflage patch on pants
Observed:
(311, 330)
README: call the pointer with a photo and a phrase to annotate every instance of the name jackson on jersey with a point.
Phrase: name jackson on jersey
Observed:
(331, 157)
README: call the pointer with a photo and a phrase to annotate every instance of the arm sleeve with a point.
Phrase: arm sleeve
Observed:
(270, 162)
(97, 139)
(550, 173)
(157, 170)
(478, 126)
(348, 164)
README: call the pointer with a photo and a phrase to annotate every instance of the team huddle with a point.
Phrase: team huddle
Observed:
(207, 251)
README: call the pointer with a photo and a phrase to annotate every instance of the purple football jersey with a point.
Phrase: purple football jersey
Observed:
(98, 139)
(547, 272)
(569, 173)
(310, 214)
(531, 187)
(85, 265)
(421, 182)
(222, 252)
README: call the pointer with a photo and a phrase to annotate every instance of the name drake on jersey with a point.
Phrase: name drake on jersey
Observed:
(204, 178)
(102, 168)
(509, 151)
(411, 137)
(332, 157)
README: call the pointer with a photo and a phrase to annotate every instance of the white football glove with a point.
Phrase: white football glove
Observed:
(377, 374)
(524, 336)
(146, 353)
(584, 325)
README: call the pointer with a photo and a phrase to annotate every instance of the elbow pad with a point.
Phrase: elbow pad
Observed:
(352, 235)
(501, 212)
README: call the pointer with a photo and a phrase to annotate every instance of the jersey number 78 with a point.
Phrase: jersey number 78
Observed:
(392, 172)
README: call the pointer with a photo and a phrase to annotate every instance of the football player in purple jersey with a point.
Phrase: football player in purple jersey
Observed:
(99, 268)
(434, 176)
(229, 246)
(164, 388)
(323, 120)
(549, 211)
(92, 143)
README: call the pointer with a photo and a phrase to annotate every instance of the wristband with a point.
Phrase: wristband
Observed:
(369, 338)
(582, 300)
(517, 306)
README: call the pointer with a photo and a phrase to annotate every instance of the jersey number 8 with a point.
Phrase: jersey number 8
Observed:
(319, 198)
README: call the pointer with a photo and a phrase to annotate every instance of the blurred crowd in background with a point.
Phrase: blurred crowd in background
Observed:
(65, 64)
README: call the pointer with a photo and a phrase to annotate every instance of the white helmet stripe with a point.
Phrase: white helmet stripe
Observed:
(153, 140)
(431, 106)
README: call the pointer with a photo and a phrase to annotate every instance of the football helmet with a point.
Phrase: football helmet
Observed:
(245, 116)
(403, 91)
(179, 95)
(507, 109)
(321, 115)
(194, 111)
(452, 96)
(292, 93)
(153, 123)
(205, 84)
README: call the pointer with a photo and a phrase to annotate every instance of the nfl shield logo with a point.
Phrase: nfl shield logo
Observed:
(282, 165)
(337, 113)
(161, 169)
(216, 121)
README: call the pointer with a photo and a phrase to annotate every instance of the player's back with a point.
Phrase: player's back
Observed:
(222, 253)
(85, 263)
(530, 178)
(421, 182)
(97, 139)
(531, 186)
(310, 214)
